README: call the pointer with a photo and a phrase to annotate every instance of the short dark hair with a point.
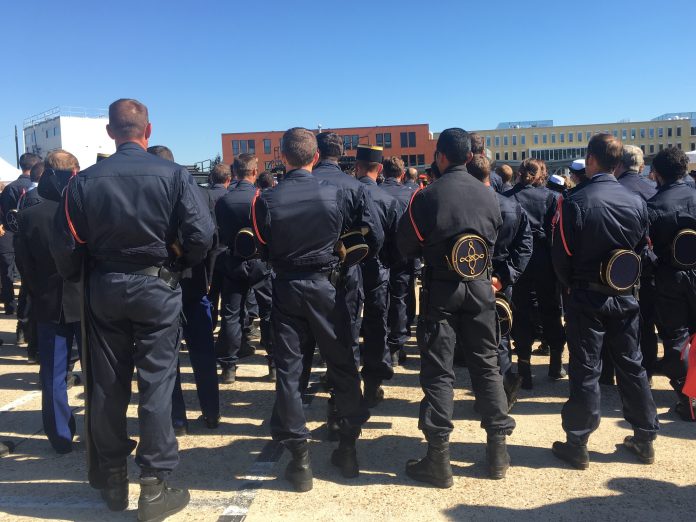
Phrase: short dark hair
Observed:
(505, 173)
(369, 166)
(455, 144)
(28, 160)
(479, 167)
(393, 167)
(36, 172)
(265, 180)
(244, 165)
(606, 150)
(161, 152)
(128, 118)
(330, 145)
(220, 173)
(478, 146)
(671, 164)
(299, 146)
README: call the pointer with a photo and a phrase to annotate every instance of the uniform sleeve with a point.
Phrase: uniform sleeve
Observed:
(367, 216)
(566, 225)
(195, 223)
(24, 260)
(406, 237)
(69, 221)
(391, 249)
(8, 201)
(520, 252)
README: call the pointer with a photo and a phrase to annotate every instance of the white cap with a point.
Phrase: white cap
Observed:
(578, 164)
(558, 180)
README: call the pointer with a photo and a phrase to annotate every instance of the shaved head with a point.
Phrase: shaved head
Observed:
(128, 119)
(60, 159)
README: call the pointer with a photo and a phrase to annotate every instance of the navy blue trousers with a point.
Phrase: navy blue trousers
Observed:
(198, 333)
(377, 363)
(397, 319)
(55, 345)
(593, 319)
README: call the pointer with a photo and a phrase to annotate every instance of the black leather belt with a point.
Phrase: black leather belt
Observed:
(601, 289)
(120, 267)
(303, 276)
(450, 275)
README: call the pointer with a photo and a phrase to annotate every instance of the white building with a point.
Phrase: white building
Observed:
(81, 132)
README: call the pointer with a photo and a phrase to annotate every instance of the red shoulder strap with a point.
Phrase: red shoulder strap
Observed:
(253, 217)
(558, 219)
(21, 198)
(71, 226)
(410, 215)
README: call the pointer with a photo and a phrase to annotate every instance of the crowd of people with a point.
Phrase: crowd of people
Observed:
(130, 256)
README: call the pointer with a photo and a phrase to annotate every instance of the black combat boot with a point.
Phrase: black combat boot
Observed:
(685, 407)
(511, 384)
(271, 372)
(332, 424)
(524, 370)
(556, 370)
(374, 394)
(115, 492)
(574, 454)
(345, 457)
(434, 468)
(497, 456)
(158, 501)
(299, 470)
(228, 375)
(642, 448)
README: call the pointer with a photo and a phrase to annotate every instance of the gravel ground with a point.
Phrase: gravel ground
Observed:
(230, 477)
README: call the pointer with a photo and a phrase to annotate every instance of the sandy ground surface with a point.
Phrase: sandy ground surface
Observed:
(234, 472)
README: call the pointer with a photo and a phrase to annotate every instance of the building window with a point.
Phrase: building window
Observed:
(405, 160)
(678, 132)
(235, 147)
(408, 139)
(660, 147)
(553, 138)
(387, 140)
(693, 131)
(506, 156)
(47, 133)
(524, 155)
(669, 132)
(380, 139)
(651, 133)
(624, 134)
(642, 134)
(266, 146)
(543, 139)
(421, 159)
(679, 145)
(505, 141)
(588, 136)
(633, 134)
(562, 137)
(536, 139)
(615, 132)
(514, 155)
(514, 140)
(497, 141)
(411, 139)
(570, 137)
(693, 146)
(252, 147)
(346, 143)
(412, 160)
(268, 165)
(642, 147)
(497, 155)
(652, 149)
(523, 139)
(660, 132)
(404, 140)
(356, 141)
(488, 141)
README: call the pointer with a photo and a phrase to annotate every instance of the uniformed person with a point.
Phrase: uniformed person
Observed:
(672, 214)
(55, 304)
(511, 254)
(456, 213)
(538, 280)
(197, 331)
(137, 219)
(377, 359)
(411, 178)
(309, 304)
(478, 148)
(219, 181)
(598, 231)
(243, 271)
(402, 272)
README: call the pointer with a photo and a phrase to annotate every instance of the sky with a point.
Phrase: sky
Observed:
(208, 67)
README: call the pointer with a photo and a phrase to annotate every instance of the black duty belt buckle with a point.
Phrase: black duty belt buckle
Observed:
(684, 249)
(621, 270)
(170, 277)
(470, 256)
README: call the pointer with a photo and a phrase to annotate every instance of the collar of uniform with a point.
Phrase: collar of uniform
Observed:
(666, 186)
(628, 172)
(455, 169)
(243, 182)
(327, 163)
(367, 180)
(603, 176)
(129, 145)
(297, 173)
(391, 181)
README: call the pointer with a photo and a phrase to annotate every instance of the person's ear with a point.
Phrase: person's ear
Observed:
(469, 156)
(108, 131)
(379, 169)
(148, 131)
(316, 158)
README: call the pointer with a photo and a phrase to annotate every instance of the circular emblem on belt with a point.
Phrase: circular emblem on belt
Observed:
(244, 244)
(684, 249)
(351, 247)
(504, 312)
(470, 256)
(12, 221)
(621, 271)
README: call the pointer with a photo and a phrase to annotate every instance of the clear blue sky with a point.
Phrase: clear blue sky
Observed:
(207, 67)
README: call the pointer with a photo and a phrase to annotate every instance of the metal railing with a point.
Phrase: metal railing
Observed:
(55, 112)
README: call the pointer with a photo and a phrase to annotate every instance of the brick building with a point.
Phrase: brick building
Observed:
(413, 143)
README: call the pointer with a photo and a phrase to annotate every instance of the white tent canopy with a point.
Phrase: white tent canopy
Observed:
(8, 172)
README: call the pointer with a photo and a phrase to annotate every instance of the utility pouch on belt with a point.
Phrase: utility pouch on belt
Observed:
(351, 247)
(621, 270)
(470, 257)
(244, 244)
(684, 249)
(504, 312)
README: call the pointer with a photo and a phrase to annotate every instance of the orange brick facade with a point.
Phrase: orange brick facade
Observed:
(412, 143)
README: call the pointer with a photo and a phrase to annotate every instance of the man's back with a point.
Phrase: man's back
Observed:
(672, 209)
(638, 184)
(232, 211)
(398, 191)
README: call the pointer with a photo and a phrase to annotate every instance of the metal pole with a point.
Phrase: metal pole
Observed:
(16, 146)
